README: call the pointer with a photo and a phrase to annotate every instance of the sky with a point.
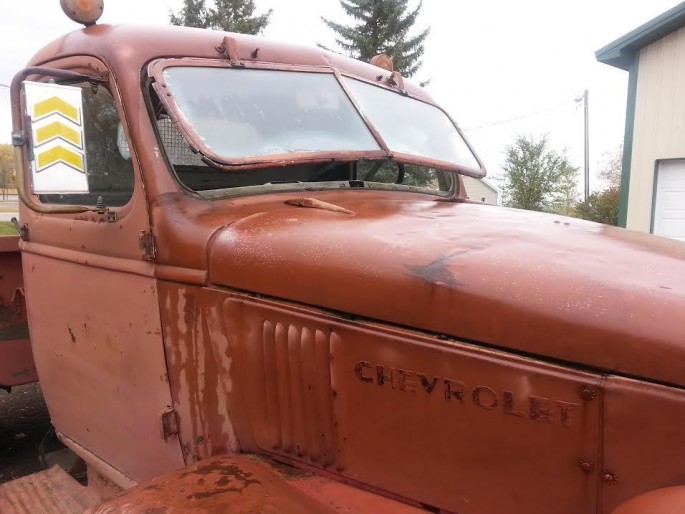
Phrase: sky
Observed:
(501, 68)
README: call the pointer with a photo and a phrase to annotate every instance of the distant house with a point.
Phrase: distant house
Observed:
(653, 179)
(480, 190)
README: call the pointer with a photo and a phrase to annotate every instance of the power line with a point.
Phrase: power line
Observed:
(523, 116)
(4, 85)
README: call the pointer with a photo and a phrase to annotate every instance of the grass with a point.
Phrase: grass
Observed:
(7, 229)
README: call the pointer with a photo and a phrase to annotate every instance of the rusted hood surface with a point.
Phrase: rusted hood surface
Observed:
(541, 284)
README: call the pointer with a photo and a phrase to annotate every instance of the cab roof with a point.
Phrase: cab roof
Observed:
(126, 48)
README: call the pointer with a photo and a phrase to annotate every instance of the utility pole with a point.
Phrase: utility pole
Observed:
(587, 144)
(587, 148)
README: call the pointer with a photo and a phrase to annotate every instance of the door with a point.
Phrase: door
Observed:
(91, 296)
(668, 219)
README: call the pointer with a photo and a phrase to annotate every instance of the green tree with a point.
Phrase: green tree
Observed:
(381, 26)
(229, 15)
(602, 206)
(7, 176)
(538, 178)
(194, 13)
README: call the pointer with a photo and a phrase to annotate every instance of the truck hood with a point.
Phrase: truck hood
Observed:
(542, 285)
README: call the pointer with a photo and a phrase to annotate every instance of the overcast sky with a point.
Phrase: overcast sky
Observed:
(488, 61)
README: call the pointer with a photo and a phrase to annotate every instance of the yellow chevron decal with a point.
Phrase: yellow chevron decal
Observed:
(58, 129)
(60, 154)
(55, 104)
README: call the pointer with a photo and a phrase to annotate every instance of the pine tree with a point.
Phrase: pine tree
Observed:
(229, 15)
(381, 26)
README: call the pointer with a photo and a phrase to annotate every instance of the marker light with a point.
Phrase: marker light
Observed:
(86, 12)
(383, 61)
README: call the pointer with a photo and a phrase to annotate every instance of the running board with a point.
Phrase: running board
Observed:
(46, 492)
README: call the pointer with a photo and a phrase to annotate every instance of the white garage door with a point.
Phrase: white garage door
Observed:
(669, 206)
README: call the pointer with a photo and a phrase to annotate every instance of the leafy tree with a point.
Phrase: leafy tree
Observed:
(602, 206)
(7, 176)
(538, 178)
(229, 15)
(381, 26)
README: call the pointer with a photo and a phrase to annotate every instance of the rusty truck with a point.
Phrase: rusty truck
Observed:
(251, 281)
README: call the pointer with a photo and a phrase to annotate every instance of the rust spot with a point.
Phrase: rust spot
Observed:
(22, 373)
(435, 273)
(587, 392)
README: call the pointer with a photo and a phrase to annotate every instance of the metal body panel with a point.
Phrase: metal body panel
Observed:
(644, 443)
(99, 353)
(199, 398)
(96, 325)
(444, 424)
(551, 286)
(670, 500)
(16, 359)
(246, 484)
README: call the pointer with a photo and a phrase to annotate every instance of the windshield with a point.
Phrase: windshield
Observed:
(248, 113)
(410, 126)
(239, 116)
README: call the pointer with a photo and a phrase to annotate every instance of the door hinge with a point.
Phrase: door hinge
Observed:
(147, 245)
(169, 424)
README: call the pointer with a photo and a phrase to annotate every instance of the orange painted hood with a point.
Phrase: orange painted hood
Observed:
(544, 285)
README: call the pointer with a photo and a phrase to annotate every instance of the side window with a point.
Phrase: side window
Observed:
(108, 160)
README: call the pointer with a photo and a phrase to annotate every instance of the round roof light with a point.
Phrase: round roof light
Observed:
(383, 61)
(86, 12)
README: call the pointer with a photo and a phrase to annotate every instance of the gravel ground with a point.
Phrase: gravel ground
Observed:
(24, 421)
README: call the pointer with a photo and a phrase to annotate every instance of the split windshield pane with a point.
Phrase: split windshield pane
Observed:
(411, 126)
(240, 113)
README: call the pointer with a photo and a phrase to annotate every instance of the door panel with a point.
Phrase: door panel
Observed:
(97, 343)
(92, 299)
(448, 424)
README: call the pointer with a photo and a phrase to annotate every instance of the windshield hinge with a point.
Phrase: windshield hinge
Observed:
(230, 50)
(169, 424)
(397, 80)
(148, 246)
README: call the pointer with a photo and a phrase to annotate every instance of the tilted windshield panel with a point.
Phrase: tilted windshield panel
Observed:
(239, 113)
(412, 127)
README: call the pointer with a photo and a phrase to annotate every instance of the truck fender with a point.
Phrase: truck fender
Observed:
(246, 484)
(670, 500)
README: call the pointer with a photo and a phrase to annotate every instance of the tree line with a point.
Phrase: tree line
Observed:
(373, 27)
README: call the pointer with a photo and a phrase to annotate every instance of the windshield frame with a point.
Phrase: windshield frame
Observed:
(156, 72)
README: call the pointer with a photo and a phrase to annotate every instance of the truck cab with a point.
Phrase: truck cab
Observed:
(242, 257)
